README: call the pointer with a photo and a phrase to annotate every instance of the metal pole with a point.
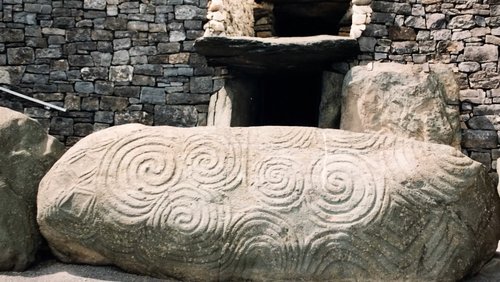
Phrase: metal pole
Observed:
(48, 105)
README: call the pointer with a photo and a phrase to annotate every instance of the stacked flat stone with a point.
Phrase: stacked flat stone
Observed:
(463, 34)
(108, 62)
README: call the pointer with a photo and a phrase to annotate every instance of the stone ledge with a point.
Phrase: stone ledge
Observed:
(277, 53)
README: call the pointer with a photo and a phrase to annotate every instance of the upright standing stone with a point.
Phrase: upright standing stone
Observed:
(269, 203)
(402, 100)
(26, 154)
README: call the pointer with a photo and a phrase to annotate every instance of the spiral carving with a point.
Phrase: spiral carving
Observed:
(136, 171)
(192, 221)
(261, 240)
(213, 162)
(344, 191)
(280, 183)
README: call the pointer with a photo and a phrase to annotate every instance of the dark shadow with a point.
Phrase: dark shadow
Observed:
(290, 99)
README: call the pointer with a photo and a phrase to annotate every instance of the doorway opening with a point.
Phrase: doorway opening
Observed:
(291, 99)
(296, 19)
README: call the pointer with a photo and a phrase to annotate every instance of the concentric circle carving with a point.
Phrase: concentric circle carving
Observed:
(260, 239)
(345, 190)
(279, 183)
(135, 172)
(212, 162)
(193, 221)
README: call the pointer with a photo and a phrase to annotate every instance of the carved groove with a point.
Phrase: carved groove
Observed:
(135, 172)
(213, 162)
(279, 183)
(345, 190)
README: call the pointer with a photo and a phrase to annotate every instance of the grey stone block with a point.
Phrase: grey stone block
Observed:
(149, 69)
(133, 117)
(84, 87)
(93, 73)
(48, 53)
(121, 57)
(20, 56)
(153, 95)
(81, 60)
(104, 87)
(485, 53)
(11, 35)
(121, 73)
(203, 84)
(127, 91)
(477, 139)
(182, 116)
(104, 117)
(78, 34)
(61, 126)
(110, 103)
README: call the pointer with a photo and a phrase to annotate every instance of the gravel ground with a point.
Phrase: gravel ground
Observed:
(54, 271)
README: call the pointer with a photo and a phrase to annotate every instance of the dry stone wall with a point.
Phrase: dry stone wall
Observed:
(108, 62)
(463, 34)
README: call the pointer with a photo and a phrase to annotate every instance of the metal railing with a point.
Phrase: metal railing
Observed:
(45, 104)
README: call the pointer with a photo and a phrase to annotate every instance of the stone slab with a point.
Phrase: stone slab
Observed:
(277, 53)
(269, 203)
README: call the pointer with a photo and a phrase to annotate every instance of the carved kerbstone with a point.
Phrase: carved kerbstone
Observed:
(269, 203)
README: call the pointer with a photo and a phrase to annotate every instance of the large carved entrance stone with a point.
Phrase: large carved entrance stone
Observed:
(269, 203)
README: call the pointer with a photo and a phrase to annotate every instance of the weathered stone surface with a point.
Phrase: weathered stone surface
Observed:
(331, 99)
(403, 100)
(476, 139)
(94, 4)
(11, 75)
(435, 21)
(121, 73)
(464, 21)
(485, 79)
(20, 56)
(185, 116)
(486, 53)
(270, 203)
(26, 154)
(276, 53)
(401, 33)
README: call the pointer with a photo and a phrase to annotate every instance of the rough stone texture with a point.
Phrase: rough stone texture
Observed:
(230, 18)
(276, 53)
(463, 35)
(269, 203)
(331, 100)
(403, 100)
(26, 154)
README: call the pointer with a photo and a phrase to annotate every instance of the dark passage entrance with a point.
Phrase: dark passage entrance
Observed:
(307, 19)
(291, 99)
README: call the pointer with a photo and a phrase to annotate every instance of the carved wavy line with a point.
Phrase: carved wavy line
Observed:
(191, 222)
(259, 240)
(292, 137)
